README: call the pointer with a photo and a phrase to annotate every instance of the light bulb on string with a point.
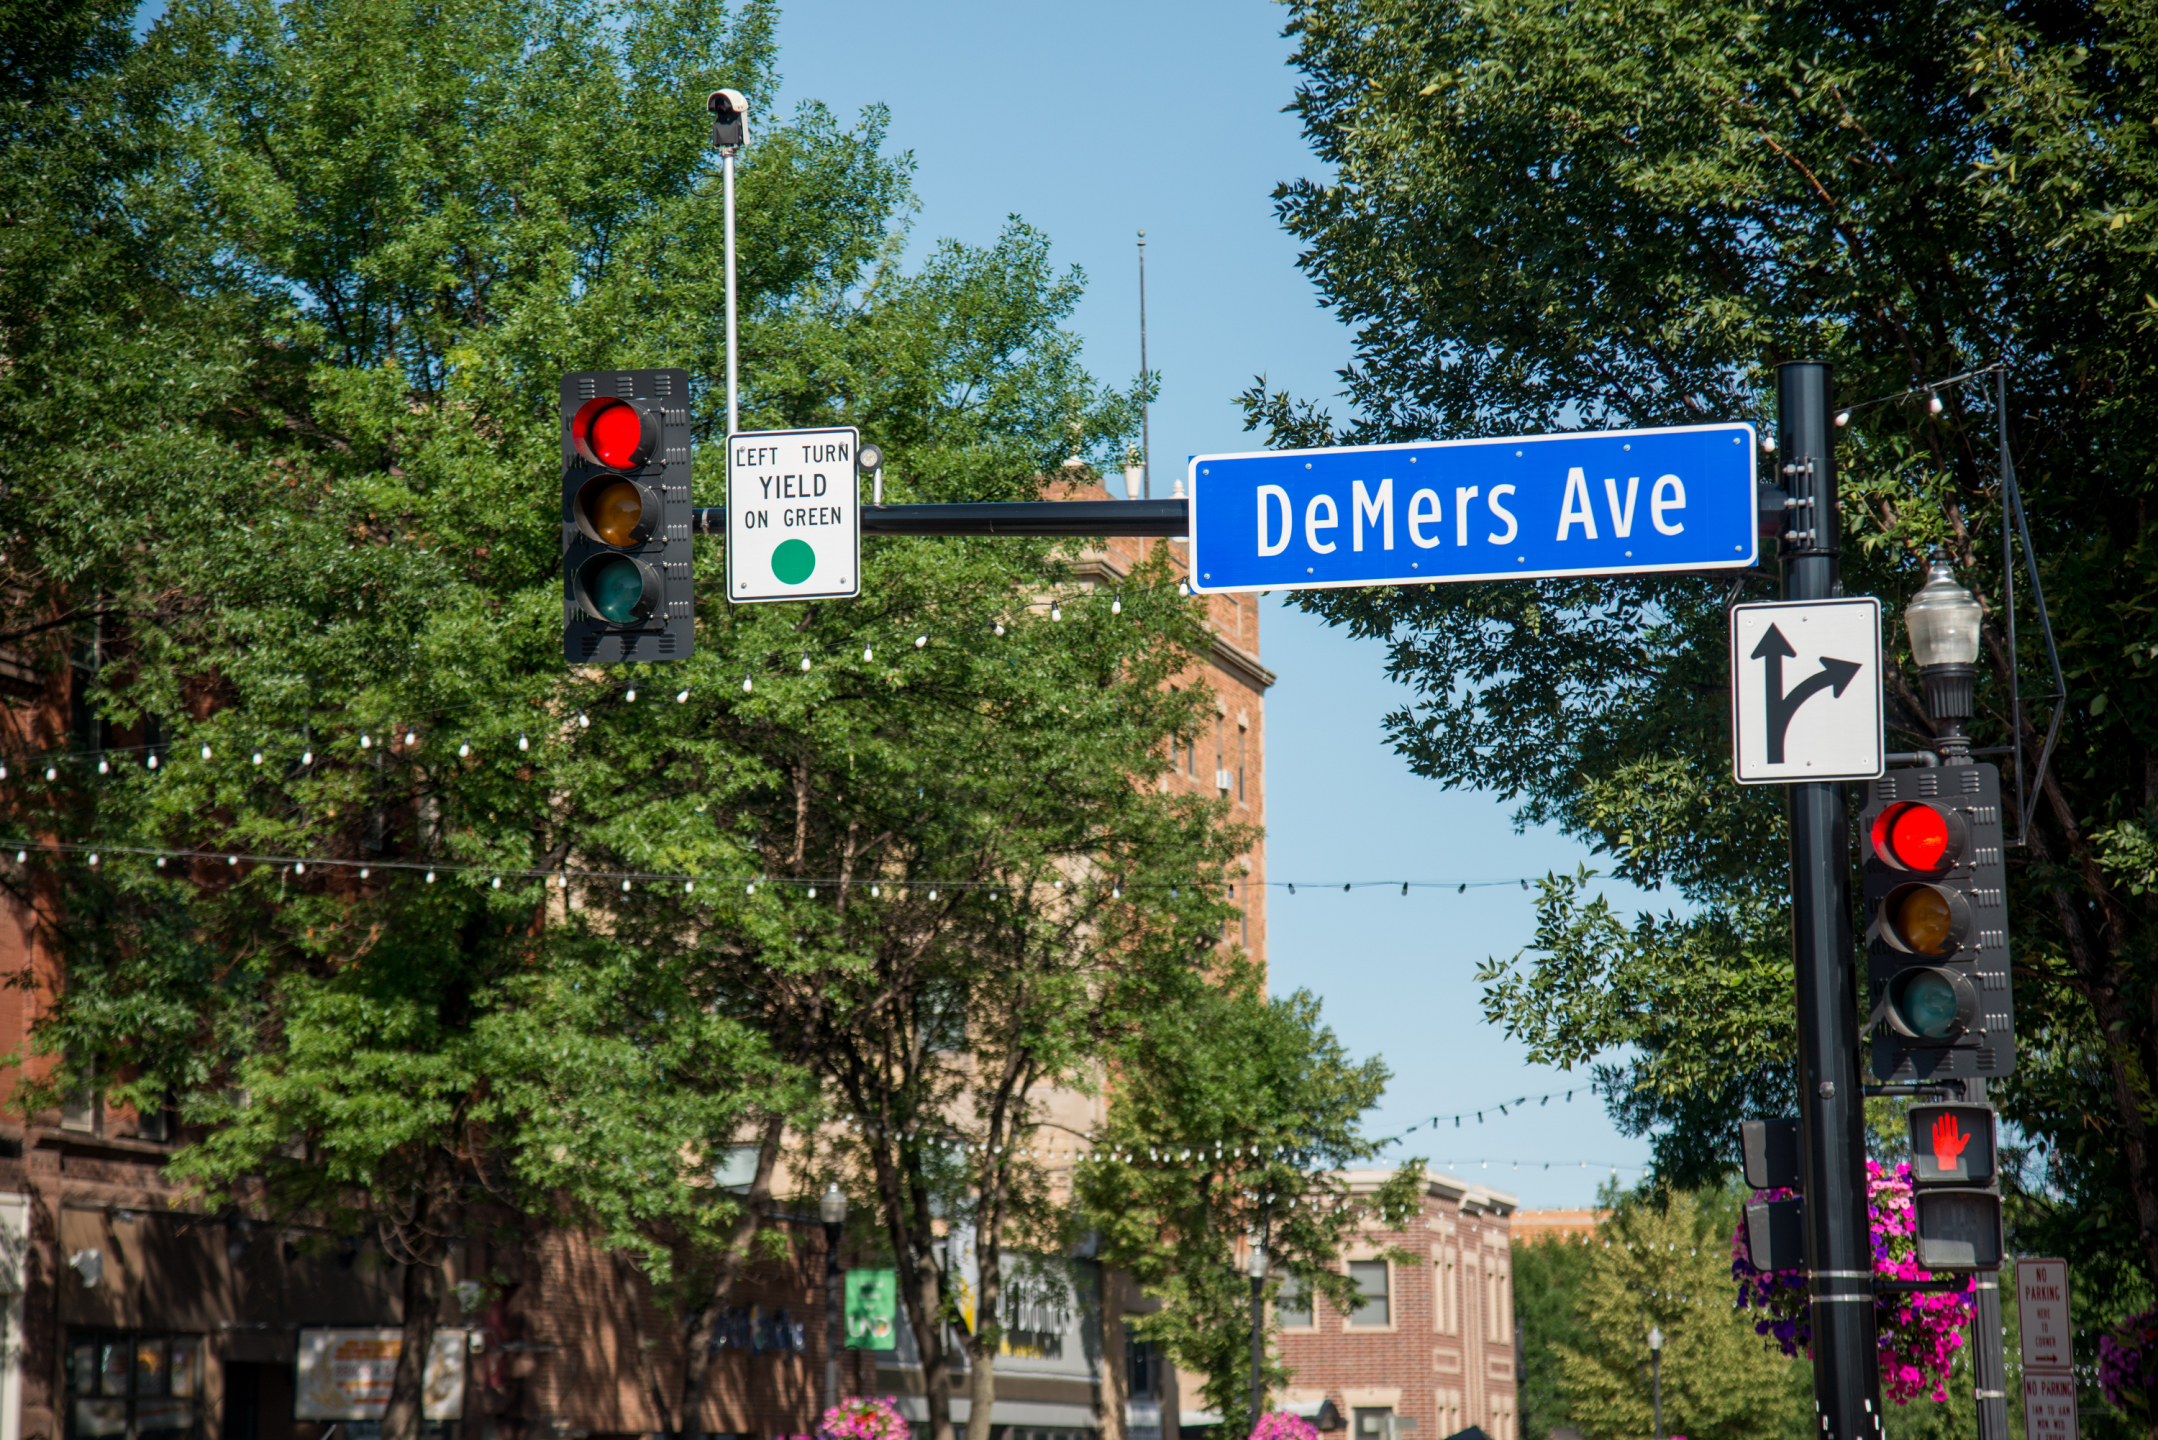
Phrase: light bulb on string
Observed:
(498, 882)
(52, 772)
(812, 892)
(412, 737)
(232, 860)
(430, 877)
(751, 888)
(922, 641)
(1056, 611)
(523, 743)
(93, 857)
(365, 742)
(102, 767)
(307, 757)
(258, 757)
(688, 886)
(365, 871)
(151, 762)
(869, 652)
(1935, 404)
(805, 662)
(1000, 627)
(299, 867)
(1116, 606)
(584, 721)
(1843, 417)
(160, 862)
(630, 695)
(205, 755)
(748, 685)
(873, 892)
(561, 882)
(932, 894)
(464, 749)
(681, 697)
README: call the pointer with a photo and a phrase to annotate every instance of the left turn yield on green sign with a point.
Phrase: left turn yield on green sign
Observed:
(794, 517)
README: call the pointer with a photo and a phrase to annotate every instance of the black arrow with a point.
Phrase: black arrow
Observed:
(1833, 677)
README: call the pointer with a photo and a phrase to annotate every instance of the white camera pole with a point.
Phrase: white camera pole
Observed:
(730, 126)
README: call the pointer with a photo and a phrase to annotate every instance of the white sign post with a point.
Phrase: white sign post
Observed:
(1806, 691)
(794, 515)
(2049, 1382)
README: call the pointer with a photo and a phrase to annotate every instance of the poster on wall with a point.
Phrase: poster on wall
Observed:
(346, 1375)
(872, 1309)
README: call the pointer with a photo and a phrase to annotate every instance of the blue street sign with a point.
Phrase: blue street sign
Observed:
(1605, 502)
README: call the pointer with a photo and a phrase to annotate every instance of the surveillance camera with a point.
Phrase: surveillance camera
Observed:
(730, 114)
(868, 458)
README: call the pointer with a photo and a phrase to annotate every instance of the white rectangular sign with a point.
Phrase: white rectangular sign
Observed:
(1806, 691)
(346, 1374)
(2049, 1405)
(2042, 1310)
(794, 515)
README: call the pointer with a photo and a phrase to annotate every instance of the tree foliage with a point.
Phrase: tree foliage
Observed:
(409, 919)
(1234, 1118)
(1548, 214)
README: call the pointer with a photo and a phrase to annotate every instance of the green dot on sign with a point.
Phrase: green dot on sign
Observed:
(793, 561)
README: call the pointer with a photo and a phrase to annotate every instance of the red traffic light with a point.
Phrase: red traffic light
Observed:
(1916, 836)
(617, 432)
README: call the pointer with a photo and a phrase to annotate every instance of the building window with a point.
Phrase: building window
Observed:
(1243, 750)
(1292, 1307)
(1447, 1307)
(1374, 1310)
(1374, 1424)
(133, 1386)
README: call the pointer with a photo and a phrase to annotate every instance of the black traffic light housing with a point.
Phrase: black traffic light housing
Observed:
(1936, 925)
(627, 587)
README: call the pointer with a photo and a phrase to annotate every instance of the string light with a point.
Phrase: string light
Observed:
(365, 743)
(1000, 627)
(747, 686)
(53, 773)
(151, 762)
(299, 867)
(1843, 417)
(625, 886)
(868, 653)
(1056, 611)
(1934, 402)
(307, 757)
(681, 696)
(922, 641)
(160, 862)
(430, 877)
(584, 721)
(412, 736)
(102, 767)
(1116, 606)
(805, 662)
(523, 743)
(498, 882)
(258, 757)
(631, 695)
(93, 857)
(464, 749)
(363, 872)
(205, 755)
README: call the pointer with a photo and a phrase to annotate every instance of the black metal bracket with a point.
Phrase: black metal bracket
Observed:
(1917, 1287)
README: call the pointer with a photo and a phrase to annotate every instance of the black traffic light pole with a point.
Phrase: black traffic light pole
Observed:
(1839, 1249)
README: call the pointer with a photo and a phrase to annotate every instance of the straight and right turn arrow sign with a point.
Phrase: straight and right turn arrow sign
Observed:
(1806, 691)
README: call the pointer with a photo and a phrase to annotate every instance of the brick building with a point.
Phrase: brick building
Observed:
(1433, 1339)
(129, 1312)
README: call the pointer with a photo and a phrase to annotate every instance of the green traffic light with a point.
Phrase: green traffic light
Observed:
(1926, 1002)
(616, 589)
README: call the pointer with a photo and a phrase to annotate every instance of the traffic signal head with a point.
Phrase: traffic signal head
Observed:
(627, 583)
(1936, 924)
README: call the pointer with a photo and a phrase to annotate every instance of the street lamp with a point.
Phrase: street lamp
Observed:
(1655, 1381)
(1943, 620)
(832, 1210)
(1257, 1271)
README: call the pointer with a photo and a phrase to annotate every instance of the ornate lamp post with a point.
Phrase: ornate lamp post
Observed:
(832, 1210)
(1655, 1381)
(1942, 620)
(1257, 1271)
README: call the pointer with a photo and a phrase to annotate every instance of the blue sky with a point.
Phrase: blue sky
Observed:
(1094, 123)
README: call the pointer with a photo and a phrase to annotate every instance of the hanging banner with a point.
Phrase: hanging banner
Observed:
(872, 1309)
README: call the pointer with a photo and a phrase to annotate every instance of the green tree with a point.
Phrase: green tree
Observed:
(1534, 219)
(1548, 1274)
(1234, 1116)
(312, 576)
(1665, 1262)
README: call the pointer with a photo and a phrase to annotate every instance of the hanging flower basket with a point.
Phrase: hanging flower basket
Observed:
(860, 1418)
(1919, 1333)
(2128, 1365)
(1281, 1425)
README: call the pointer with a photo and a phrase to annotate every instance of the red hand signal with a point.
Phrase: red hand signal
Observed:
(1948, 1142)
